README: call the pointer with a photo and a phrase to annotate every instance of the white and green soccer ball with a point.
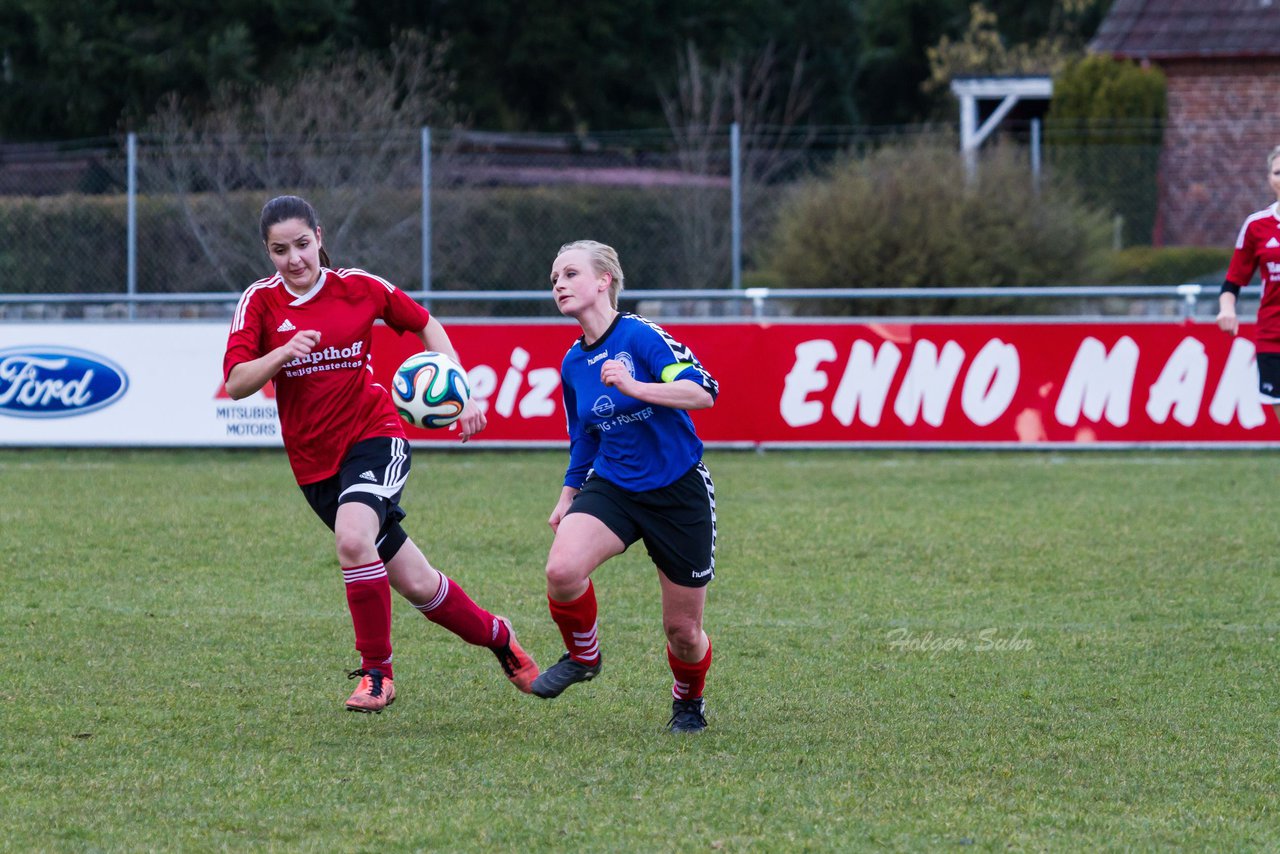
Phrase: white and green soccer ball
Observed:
(430, 390)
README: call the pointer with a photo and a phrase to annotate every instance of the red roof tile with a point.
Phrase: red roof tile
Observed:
(1187, 29)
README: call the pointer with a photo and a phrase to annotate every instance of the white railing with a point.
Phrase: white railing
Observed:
(1164, 301)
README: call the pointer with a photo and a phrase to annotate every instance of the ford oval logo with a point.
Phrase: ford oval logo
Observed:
(55, 382)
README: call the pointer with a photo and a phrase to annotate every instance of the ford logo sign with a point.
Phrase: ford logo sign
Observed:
(55, 382)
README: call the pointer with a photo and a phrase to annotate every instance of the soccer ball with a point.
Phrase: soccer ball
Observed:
(430, 389)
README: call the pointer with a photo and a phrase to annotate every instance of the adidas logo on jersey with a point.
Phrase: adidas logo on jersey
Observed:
(1273, 243)
(286, 326)
(368, 476)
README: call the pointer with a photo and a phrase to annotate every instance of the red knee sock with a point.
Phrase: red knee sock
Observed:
(577, 623)
(691, 679)
(453, 609)
(369, 598)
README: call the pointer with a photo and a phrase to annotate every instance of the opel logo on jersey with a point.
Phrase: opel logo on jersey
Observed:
(57, 382)
(603, 407)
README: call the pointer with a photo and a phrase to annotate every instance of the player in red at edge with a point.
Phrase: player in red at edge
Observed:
(308, 328)
(1259, 244)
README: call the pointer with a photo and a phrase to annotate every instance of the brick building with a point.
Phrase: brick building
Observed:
(1222, 61)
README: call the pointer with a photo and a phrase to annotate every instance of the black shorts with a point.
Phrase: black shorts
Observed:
(373, 473)
(1269, 377)
(676, 522)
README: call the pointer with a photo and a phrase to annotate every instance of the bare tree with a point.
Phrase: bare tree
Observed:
(345, 134)
(769, 103)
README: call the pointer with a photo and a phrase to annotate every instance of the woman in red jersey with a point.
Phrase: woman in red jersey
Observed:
(308, 329)
(1258, 249)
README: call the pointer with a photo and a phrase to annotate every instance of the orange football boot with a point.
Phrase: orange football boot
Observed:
(374, 693)
(517, 664)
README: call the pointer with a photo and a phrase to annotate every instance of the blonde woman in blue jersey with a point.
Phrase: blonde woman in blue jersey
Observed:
(635, 473)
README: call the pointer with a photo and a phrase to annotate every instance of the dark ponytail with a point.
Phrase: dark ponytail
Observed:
(283, 208)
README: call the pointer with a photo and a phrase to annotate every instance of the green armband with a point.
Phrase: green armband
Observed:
(670, 372)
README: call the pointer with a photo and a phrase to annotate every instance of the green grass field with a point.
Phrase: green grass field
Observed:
(913, 652)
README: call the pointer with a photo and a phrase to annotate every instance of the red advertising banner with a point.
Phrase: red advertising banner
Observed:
(783, 383)
(906, 383)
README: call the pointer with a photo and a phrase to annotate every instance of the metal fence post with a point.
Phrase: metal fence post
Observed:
(968, 131)
(131, 228)
(735, 203)
(1190, 294)
(426, 212)
(1035, 154)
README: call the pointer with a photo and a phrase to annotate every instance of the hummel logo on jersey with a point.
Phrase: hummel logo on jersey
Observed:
(286, 326)
(368, 476)
(1273, 243)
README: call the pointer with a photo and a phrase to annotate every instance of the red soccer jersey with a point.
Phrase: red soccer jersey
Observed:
(327, 400)
(1259, 246)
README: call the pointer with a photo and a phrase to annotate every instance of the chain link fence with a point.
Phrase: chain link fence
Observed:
(1115, 164)
(181, 218)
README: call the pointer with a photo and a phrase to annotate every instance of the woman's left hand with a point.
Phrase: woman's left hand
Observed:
(472, 420)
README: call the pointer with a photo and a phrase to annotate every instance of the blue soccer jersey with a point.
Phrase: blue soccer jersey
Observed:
(632, 444)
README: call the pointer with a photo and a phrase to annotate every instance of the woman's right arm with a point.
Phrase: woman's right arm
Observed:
(582, 451)
(247, 377)
(1244, 261)
(1227, 320)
